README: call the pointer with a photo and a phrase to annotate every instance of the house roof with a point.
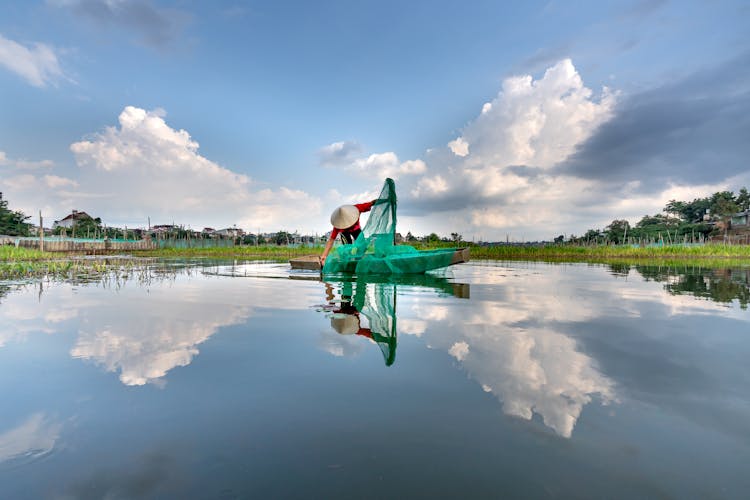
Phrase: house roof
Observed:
(76, 215)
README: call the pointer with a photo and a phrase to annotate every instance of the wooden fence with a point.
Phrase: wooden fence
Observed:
(86, 246)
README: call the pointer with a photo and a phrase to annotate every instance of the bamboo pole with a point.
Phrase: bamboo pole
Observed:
(41, 232)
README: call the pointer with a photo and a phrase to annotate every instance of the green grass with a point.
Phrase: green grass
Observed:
(606, 253)
(10, 253)
(270, 252)
(18, 263)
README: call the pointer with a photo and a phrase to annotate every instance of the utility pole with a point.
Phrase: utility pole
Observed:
(41, 232)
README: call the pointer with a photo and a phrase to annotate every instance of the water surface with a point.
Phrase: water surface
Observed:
(494, 379)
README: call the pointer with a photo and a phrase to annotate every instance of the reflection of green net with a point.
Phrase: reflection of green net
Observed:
(374, 251)
(380, 308)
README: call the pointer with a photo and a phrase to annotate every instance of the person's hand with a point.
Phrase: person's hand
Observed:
(322, 260)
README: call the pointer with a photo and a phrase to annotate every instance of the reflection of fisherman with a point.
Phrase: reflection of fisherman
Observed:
(345, 220)
(346, 318)
(347, 324)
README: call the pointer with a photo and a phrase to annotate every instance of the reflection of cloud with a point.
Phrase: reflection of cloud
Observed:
(155, 336)
(143, 478)
(535, 372)
(433, 312)
(35, 437)
(343, 346)
(459, 350)
(675, 305)
(143, 332)
(23, 314)
(60, 315)
(505, 345)
(147, 354)
(410, 326)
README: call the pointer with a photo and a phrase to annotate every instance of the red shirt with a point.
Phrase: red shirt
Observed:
(362, 207)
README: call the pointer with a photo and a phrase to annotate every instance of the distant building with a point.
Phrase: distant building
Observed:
(163, 228)
(230, 232)
(68, 221)
(741, 218)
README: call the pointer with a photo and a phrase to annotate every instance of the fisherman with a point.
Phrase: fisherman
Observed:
(345, 220)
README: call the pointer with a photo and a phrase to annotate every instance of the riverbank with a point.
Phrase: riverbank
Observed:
(572, 253)
(553, 253)
(19, 263)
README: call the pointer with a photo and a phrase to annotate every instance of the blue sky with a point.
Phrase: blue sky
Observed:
(497, 119)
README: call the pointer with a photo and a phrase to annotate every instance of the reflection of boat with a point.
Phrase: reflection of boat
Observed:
(419, 261)
(436, 283)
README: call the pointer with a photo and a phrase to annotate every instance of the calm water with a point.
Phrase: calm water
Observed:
(496, 379)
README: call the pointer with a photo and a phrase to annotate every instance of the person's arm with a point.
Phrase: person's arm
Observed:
(365, 207)
(327, 249)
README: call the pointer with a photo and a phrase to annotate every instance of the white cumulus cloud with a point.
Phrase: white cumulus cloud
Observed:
(339, 153)
(459, 147)
(146, 168)
(496, 176)
(536, 122)
(344, 154)
(37, 64)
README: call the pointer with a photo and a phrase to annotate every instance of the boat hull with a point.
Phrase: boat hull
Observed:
(424, 260)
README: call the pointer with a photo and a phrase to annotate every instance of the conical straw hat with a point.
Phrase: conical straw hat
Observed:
(345, 324)
(345, 216)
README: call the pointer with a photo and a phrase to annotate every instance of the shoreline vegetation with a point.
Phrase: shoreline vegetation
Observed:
(21, 263)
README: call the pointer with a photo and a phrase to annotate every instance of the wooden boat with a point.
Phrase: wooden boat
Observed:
(425, 260)
(306, 262)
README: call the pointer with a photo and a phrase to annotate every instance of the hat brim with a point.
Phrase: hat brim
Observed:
(345, 324)
(345, 216)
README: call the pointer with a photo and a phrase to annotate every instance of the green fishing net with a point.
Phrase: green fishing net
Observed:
(377, 301)
(375, 252)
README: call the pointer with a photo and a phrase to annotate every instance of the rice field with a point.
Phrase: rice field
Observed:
(604, 253)
(20, 263)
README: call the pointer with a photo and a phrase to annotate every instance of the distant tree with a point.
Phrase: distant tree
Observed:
(88, 225)
(723, 204)
(676, 208)
(689, 211)
(660, 221)
(559, 239)
(743, 200)
(410, 237)
(591, 236)
(456, 237)
(282, 238)
(617, 229)
(13, 223)
(432, 238)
